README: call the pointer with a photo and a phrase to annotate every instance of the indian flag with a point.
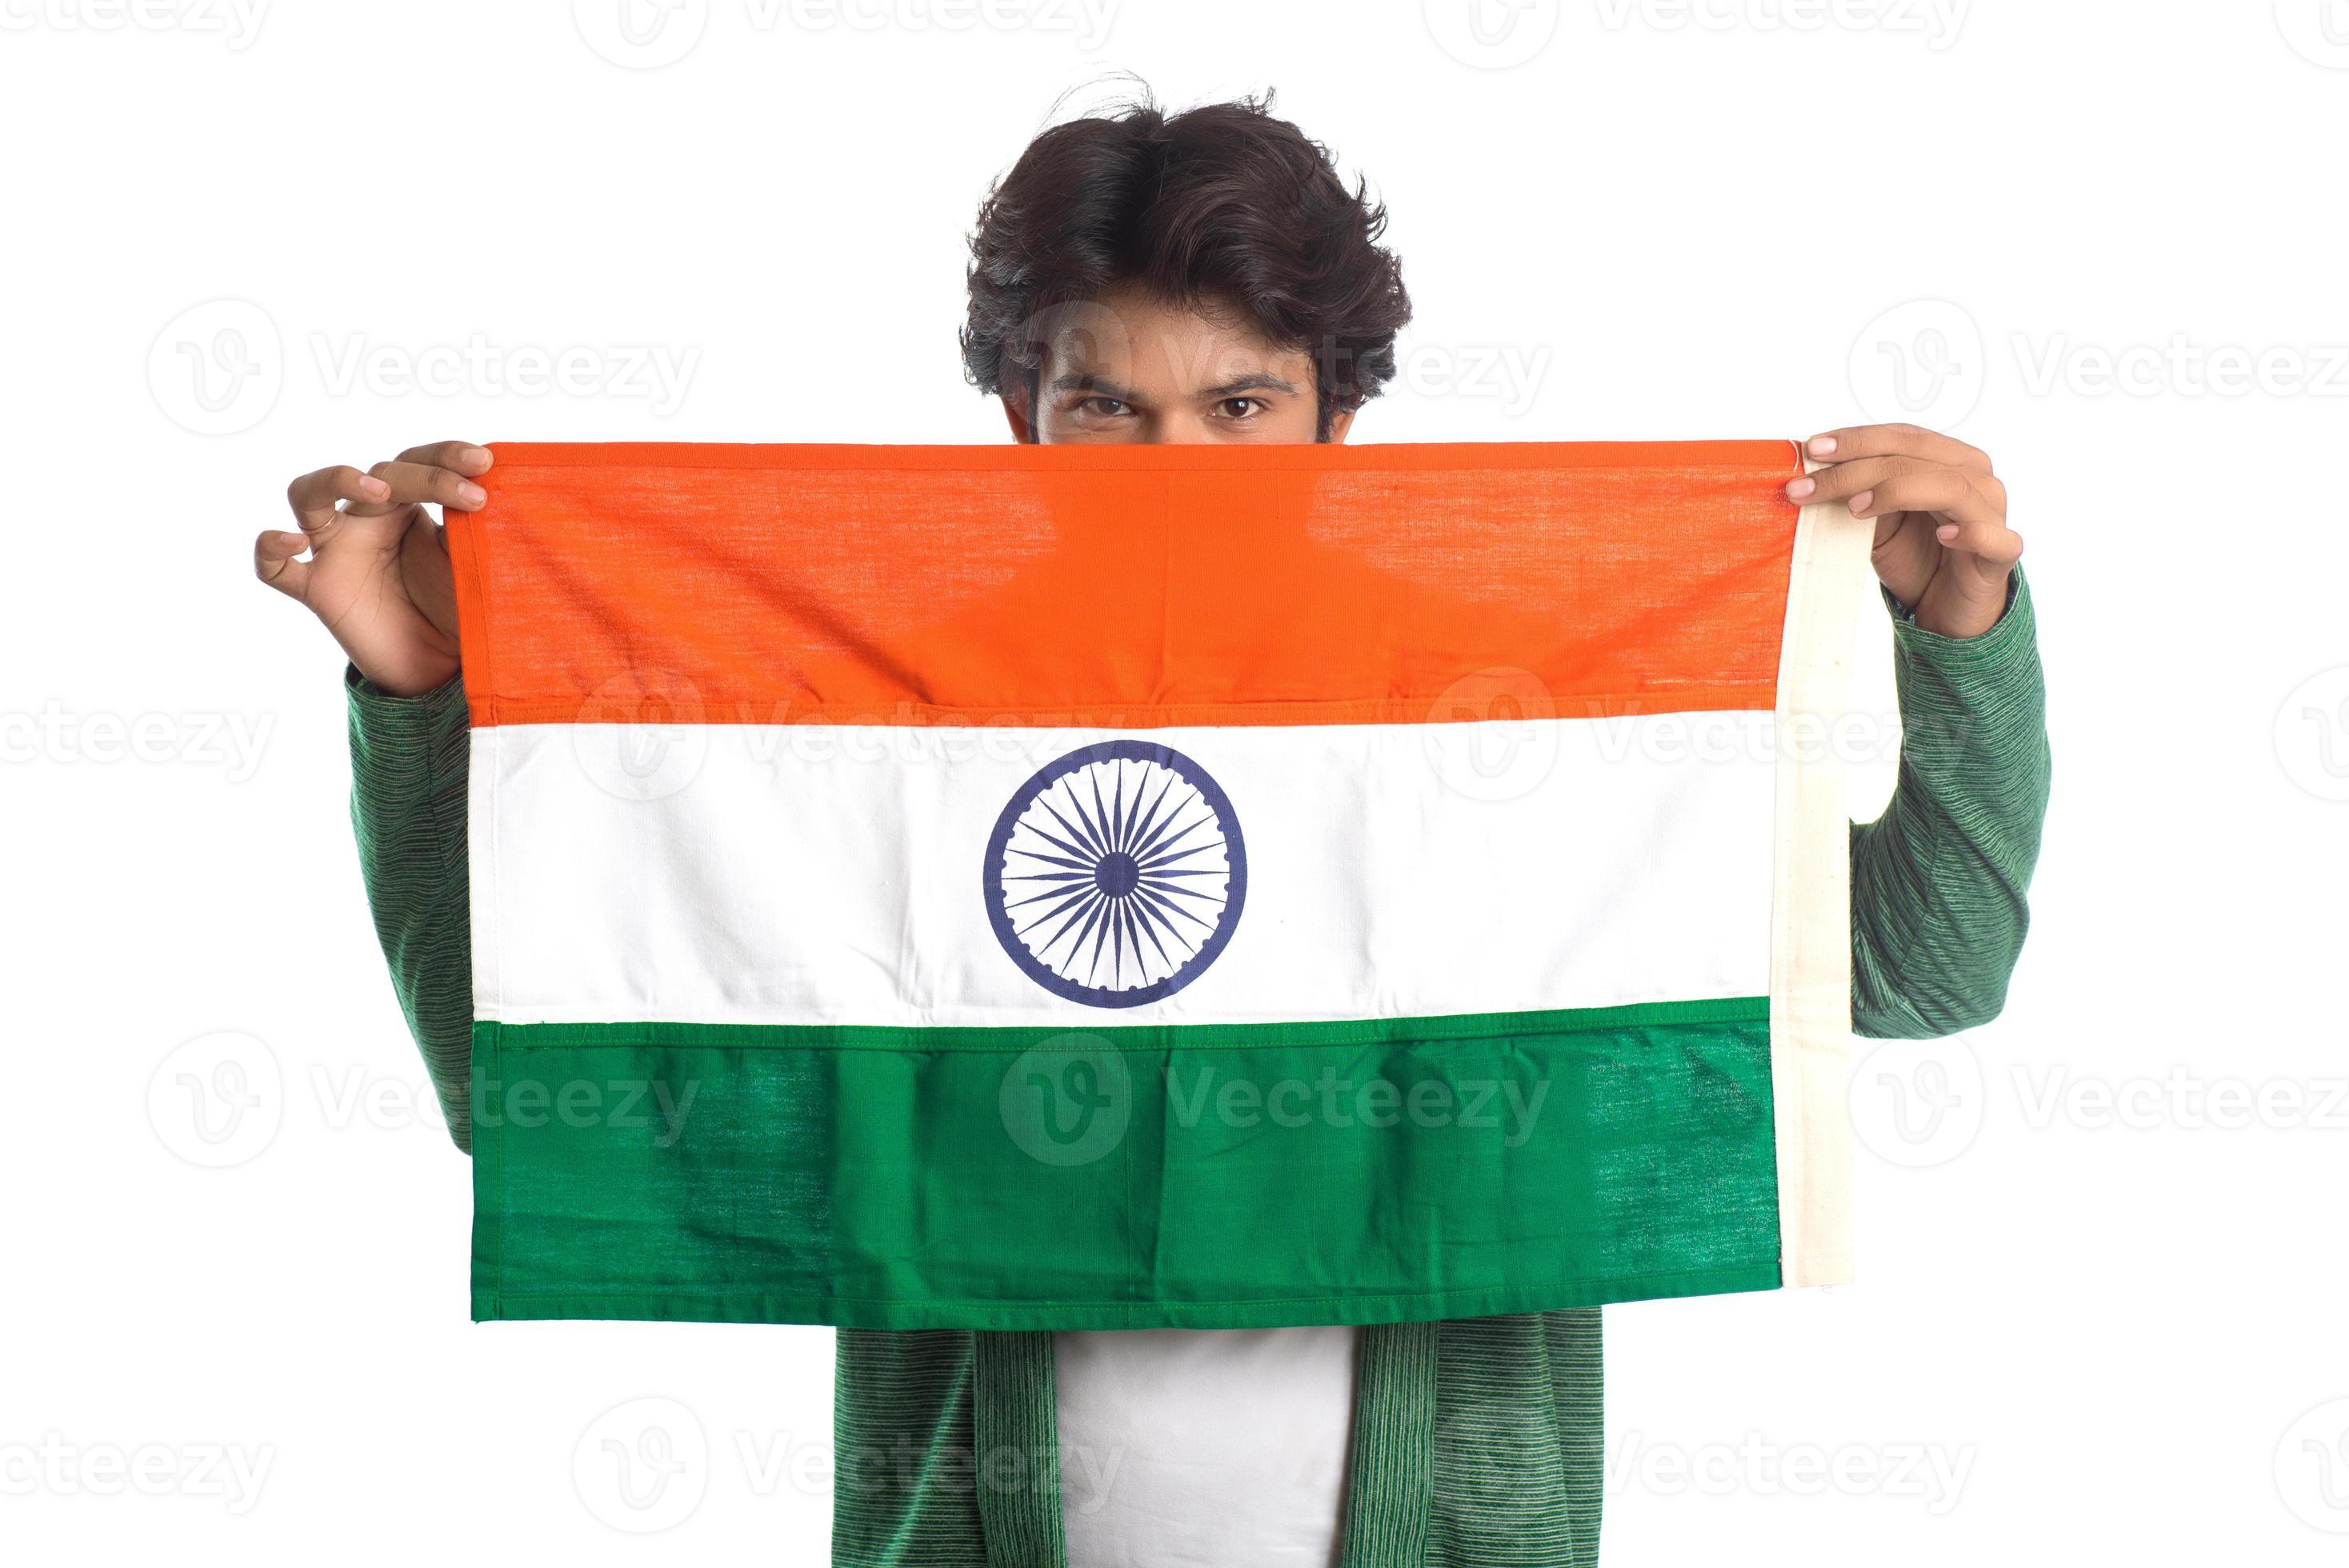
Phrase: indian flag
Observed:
(1036, 887)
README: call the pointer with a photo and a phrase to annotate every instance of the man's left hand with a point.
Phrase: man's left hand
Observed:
(1943, 546)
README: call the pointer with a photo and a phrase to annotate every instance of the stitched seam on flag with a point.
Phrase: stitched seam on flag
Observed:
(1018, 1039)
(1744, 697)
(467, 539)
(489, 1193)
(484, 903)
(1414, 458)
(1046, 1305)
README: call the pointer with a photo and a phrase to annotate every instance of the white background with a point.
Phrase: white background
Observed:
(2116, 1324)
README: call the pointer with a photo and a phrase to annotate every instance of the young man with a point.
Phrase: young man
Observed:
(1208, 278)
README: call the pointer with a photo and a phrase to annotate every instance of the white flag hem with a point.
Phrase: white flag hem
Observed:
(1810, 947)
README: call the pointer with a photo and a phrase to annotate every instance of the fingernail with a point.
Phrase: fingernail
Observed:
(1822, 445)
(372, 488)
(1798, 489)
(1946, 533)
(477, 455)
(471, 496)
(1859, 502)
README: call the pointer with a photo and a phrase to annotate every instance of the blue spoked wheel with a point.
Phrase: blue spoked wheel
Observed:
(1116, 874)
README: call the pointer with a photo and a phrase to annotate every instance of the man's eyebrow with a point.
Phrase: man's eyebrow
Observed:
(1260, 382)
(1101, 385)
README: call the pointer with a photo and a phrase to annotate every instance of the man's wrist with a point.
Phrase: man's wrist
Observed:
(376, 694)
(1986, 646)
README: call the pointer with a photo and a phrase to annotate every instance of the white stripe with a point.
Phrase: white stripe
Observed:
(803, 874)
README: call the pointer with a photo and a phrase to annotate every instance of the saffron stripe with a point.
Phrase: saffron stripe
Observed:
(1099, 586)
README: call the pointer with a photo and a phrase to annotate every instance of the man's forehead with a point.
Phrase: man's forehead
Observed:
(1168, 348)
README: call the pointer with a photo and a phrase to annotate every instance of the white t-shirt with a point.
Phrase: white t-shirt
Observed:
(1187, 1448)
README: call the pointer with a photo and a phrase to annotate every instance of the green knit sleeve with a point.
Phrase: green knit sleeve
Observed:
(407, 809)
(1938, 881)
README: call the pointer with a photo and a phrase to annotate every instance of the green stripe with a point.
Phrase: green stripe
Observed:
(1394, 1171)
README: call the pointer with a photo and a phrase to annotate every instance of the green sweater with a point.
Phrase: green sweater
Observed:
(1477, 1442)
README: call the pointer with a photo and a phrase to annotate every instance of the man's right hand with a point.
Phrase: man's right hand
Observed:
(378, 570)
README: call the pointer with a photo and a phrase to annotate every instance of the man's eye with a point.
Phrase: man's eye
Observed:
(1105, 408)
(1242, 408)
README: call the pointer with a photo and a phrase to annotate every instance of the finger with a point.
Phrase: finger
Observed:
(314, 496)
(277, 561)
(1896, 441)
(1998, 548)
(1844, 480)
(463, 457)
(1906, 555)
(415, 482)
(1861, 476)
(1944, 491)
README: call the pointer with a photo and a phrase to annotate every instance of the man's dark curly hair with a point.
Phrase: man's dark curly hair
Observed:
(1223, 206)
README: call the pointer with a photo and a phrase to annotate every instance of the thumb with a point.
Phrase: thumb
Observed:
(277, 561)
